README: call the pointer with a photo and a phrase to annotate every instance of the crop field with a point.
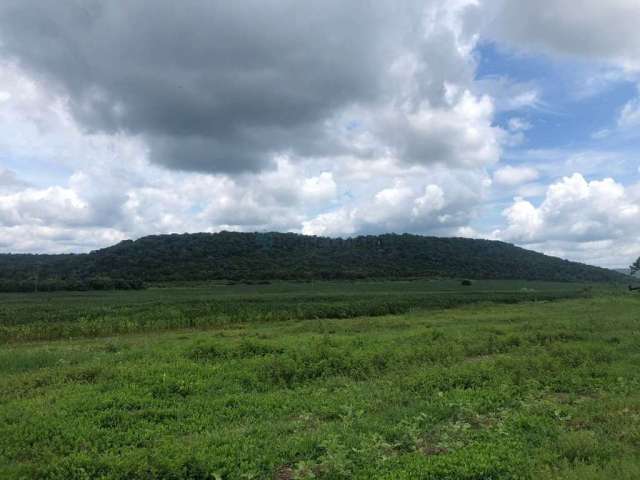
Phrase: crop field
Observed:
(331, 380)
(48, 316)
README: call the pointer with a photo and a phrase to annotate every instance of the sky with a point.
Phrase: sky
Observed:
(508, 120)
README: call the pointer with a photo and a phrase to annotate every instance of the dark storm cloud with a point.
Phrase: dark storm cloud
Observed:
(210, 85)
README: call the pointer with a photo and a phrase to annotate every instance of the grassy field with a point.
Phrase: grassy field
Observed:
(534, 390)
(48, 316)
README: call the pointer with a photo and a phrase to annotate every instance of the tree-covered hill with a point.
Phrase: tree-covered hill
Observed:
(269, 256)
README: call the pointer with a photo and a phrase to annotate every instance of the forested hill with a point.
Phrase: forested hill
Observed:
(268, 256)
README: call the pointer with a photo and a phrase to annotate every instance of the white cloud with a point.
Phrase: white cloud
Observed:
(600, 214)
(459, 134)
(524, 220)
(630, 115)
(50, 206)
(32, 238)
(510, 95)
(517, 124)
(433, 200)
(341, 222)
(321, 188)
(627, 123)
(439, 202)
(512, 176)
(556, 163)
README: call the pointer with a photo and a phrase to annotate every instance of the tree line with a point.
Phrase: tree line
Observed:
(286, 256)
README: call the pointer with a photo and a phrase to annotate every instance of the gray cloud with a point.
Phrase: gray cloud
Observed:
(211, 86)
(595, 29)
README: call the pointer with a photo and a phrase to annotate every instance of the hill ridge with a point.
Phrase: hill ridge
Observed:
(289, 256)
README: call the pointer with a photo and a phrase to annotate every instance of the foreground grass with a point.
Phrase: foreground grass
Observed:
(533, 390)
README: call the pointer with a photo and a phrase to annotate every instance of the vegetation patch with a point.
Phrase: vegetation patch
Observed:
(484, 391)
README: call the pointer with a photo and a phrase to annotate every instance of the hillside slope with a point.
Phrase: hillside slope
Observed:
(267, 256)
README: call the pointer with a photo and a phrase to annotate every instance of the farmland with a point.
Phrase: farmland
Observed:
(48, 316)
(332, 380)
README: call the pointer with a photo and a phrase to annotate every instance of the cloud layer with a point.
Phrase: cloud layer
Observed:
(227, 86)
(119, 120)
(589, 29)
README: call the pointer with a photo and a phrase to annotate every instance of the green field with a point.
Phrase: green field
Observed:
(48, 316)
(394, 380)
